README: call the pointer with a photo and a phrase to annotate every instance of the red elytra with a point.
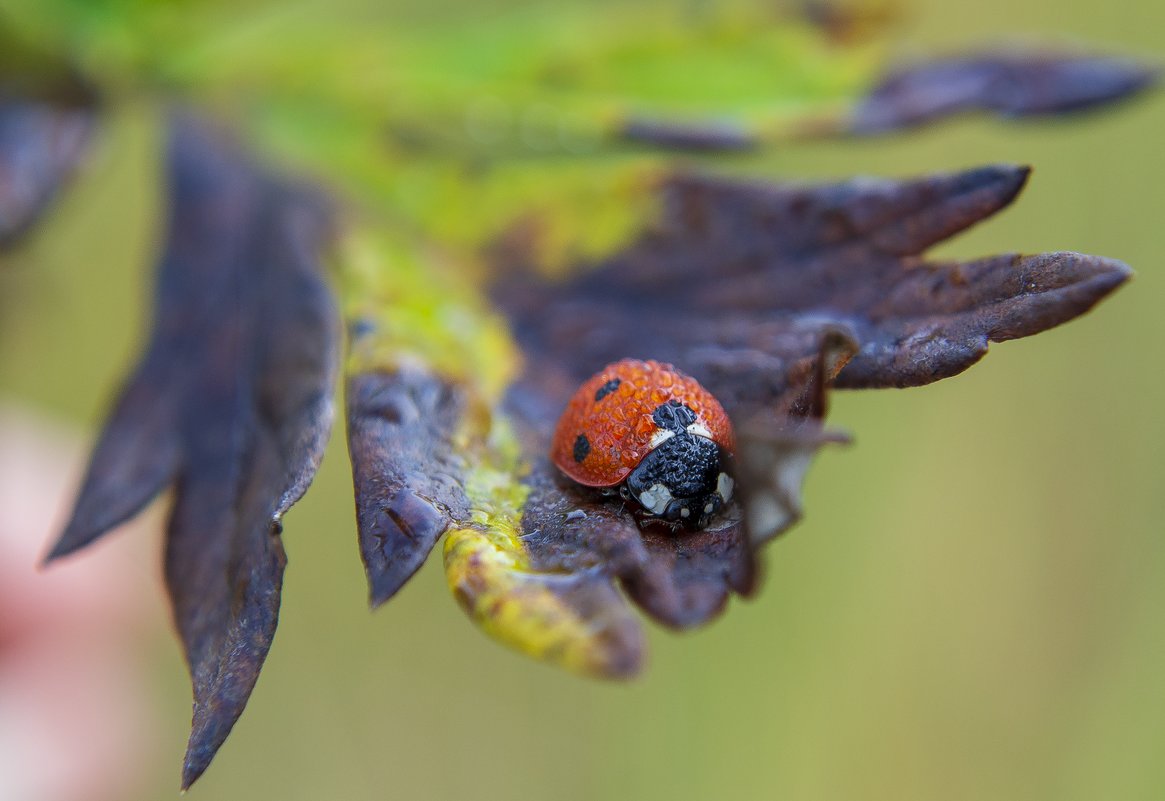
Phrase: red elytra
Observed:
(607, 427)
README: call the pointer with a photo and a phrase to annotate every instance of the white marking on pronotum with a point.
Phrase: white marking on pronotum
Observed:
(685, 512)
(655, 499)
(699, 430)
(708, 509)
(724, 486)
(661, 436)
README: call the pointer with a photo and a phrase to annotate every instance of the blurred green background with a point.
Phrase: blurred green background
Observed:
(971, 609)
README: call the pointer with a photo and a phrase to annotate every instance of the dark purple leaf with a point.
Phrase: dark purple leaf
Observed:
(689, 137)
(40, 147)
(407, 476)
(767, 295)
(231, 405)
(1011, 84)
(47, 121)
(410, 475)
(679, 580)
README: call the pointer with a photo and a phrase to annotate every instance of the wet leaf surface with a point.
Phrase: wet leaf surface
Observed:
(230, 405)
(767, 295)
(681, 578)
(400, 442)
(1010, 84)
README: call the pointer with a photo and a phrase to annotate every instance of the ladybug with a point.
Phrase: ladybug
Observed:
(653, 434)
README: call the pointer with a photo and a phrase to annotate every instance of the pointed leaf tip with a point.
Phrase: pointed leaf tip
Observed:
(1008, 83)
(231, 404)
(254, 406)
(135, 458)
(1055, 288)
(908, 216)
(401, 425)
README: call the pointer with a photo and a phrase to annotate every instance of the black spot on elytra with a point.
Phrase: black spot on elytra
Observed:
(607, 388)
(582, 447)
(673, 416)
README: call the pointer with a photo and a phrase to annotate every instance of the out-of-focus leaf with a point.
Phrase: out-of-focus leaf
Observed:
(471, 87)
(693, 137)
(230, 404)
(547, 116)
(848, 21)
(520, 107)
(47, 119)
(40, 146)
(1010, 84)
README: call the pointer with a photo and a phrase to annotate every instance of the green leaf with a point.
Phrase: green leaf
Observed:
(528, 193)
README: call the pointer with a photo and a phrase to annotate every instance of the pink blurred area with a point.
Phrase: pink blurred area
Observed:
(75, 719)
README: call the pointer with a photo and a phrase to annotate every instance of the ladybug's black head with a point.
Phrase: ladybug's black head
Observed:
(684, 478)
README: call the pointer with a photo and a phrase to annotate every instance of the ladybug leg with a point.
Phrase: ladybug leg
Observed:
(646, 520)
